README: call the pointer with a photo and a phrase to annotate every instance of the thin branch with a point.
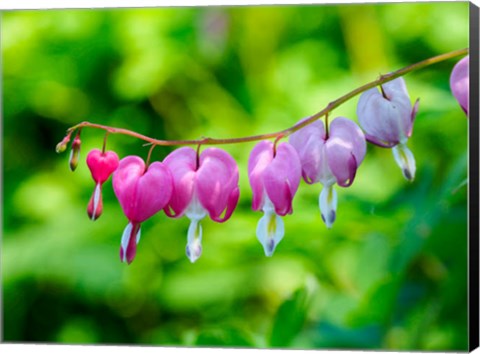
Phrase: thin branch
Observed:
(283, 133)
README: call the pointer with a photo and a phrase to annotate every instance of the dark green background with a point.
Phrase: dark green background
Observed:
(390, 274)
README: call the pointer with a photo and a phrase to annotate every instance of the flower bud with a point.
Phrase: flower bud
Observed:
(62, 146)
(75, 152)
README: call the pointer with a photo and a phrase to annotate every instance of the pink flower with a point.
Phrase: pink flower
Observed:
(202, 185)
(101, 165)
(387, 118)
(330, 159)
(460, 83)
(142, 192)
(274, 179)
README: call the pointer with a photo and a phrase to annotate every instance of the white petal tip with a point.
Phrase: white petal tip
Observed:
(193, 252)
(405, 160)
(328, 205)
(270, 231)
(269, 247)
(408, 175)
(330, 219)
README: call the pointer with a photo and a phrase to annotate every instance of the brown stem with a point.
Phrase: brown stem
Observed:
(198, 157)
(326, 125)
(275, 143)
(104, 143)
(283, 133)
(149, 156)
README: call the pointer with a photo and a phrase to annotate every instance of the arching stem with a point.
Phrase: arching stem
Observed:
(286, 132)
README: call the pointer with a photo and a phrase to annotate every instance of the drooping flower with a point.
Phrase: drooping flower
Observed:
(101, 165)
(203, 185)
(387, 118)
(460, 83)
(274, 178)
(142, 191)
(330, 159)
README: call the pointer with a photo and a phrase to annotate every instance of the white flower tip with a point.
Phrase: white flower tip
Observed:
(269, 247)
(128, 245)
(328, 205)
(193, 251)
(405, 160)
(408, 175)
(330, 219)
(270, 231)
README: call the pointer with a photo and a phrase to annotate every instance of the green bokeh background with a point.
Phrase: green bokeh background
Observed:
(390, 274)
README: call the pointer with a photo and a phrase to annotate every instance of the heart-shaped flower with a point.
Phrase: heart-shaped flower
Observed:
(330, 159)
(142, 192)
(387, 118)
(274, 177)
(460, 83)
(101, 165)
(203, 185)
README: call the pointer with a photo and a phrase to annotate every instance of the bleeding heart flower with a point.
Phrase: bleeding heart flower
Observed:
(387, 118)
(142, 191)
(101, 165)
(274, 178)
(460, 83)
(330, 159)
(203, 185)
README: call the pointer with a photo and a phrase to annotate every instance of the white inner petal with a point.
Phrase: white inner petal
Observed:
(328, 205)
(326, 176)
(194, 240)
(195, 212)
(405, 160)
(125, 239)
(270, 228)
(96, 199)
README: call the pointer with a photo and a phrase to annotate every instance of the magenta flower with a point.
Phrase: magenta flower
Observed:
(101, 165)
(330, 159)
(202, 185)
(460, 83)
(274, 178)
(387, 118)
(142, 191)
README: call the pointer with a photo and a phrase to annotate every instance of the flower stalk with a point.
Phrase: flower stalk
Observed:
(283, 133)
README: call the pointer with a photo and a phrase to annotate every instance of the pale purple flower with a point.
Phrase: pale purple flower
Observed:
(101, 165)
(274, 178)
(142, 191)
(330, 159)
(460, 83)
(203, 185)
(387, 118)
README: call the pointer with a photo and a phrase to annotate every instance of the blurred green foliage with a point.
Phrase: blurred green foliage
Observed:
(390, 274)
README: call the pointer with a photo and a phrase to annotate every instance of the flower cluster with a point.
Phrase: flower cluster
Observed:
(199, 184)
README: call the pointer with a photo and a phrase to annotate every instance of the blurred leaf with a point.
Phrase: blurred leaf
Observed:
(289, 319)
(377, 305)
(327, 335)
(224, 336)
